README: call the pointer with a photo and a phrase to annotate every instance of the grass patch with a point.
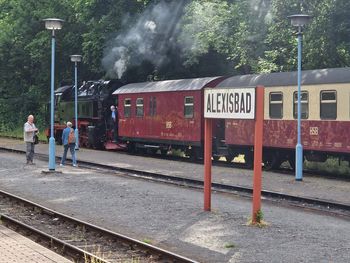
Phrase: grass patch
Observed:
(259, 220)
(18, 134)
(261, 224)
(230, 245)
(178, 153)
(15, 133)
(147, 241)
(332, 166)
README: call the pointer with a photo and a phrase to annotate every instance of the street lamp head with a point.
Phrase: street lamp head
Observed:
(75, 58)
(299, 20)
(53, 23)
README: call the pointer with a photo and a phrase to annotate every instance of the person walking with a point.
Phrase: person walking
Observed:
(68, 141)
(29, 131)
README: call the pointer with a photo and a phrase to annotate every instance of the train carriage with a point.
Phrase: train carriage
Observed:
(325, 99)
(163, 115)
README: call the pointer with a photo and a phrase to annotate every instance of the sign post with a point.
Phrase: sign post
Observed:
(258, 141)
(208, 134)
(234, 103)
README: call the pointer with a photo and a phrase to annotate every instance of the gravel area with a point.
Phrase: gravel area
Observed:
(172, 217)
(313, 187)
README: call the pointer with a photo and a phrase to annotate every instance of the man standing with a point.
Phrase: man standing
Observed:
(68, 141)
(114, 122)
(28, 135)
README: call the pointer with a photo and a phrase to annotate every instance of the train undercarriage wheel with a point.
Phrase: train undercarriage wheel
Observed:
(231, 156)
(58, 140)
(291, 161)
(164, 152)
(232, 153)
(195, 154)
(216, 158)
(249, 159)
(271, 161)
(152, 151)
(131, 148)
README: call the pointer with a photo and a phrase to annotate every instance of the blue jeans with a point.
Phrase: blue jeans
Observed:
(71, 147)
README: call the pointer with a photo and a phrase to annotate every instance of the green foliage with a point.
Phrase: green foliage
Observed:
(235, 29)
(230, 245)
(331, 166)
(216, 37)
(259, 216)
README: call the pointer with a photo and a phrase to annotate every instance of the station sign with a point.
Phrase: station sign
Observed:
(229, 103)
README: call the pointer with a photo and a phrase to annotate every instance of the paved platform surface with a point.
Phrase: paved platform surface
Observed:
(313, 187)
(173, 218)
(15, 248)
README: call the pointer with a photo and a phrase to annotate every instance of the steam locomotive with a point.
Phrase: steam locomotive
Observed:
(94, 100)
(167, 115)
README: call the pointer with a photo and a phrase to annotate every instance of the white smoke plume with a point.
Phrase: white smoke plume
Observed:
(163, 28)
(153, 34)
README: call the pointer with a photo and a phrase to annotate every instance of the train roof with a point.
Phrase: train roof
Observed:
(63, 88)
(166, 85)
(309, 77)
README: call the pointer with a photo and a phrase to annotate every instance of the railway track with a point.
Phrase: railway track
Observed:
(77, 240)
(327, 206)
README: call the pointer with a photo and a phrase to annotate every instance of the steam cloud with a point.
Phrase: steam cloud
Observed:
(150, 38)
(159, 29)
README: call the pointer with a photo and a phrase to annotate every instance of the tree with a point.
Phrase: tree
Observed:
(325, 41)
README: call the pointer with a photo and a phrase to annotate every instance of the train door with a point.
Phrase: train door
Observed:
(152, 109)
(219, 148)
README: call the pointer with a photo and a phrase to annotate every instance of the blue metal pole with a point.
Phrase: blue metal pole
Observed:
(76, 107)
(299, 146)
(52, 150)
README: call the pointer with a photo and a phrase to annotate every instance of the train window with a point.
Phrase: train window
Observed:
(57, 98)
(139, 107)
(276, 105)
(328, 105)
(127, 107)
(304, 105)
(152, 106)
(188, 109)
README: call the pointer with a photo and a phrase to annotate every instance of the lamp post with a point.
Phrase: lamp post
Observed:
(299, 21)
(76, 59)
(52, 24)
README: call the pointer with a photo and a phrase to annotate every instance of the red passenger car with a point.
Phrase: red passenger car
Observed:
(325, 100)
(163, 115)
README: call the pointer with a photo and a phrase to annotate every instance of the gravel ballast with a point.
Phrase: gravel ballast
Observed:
(173, 218)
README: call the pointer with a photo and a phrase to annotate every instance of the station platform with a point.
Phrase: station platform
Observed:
(172, 217)
(15, 248)
(311, 187)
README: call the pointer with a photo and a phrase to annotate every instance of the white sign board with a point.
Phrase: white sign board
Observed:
(229, 103)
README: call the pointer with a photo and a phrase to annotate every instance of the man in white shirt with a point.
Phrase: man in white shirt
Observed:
(28, 136)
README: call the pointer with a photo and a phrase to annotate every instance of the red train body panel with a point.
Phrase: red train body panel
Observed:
(169, 124)
(166, 114)
(325, 110)
(324, 136)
